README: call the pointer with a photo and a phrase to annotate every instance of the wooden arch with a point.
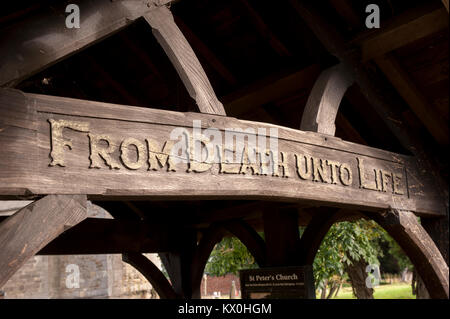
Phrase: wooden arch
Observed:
(31, 228)
(189, 267)
(60, 137)
(151, 273)
(324, 100)
(404, 227)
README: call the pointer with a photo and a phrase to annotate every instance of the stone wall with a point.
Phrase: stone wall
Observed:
(77, 276)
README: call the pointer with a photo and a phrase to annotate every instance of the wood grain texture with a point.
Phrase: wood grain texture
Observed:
(281, 236)
(112, 236)
(28, 230)
(405, 228)
(269, 90)
(184, 60)
(42, 40)
(371, 87)
(316, 230)
(324, 100)
(411, 94)
(210, 238)
(26, 129)
(405, 29)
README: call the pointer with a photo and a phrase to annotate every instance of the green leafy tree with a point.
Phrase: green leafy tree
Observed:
(345, 250)
(229, 256)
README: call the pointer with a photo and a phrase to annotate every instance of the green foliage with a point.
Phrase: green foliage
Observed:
(344, 242)
(394, 251)
(229, 256)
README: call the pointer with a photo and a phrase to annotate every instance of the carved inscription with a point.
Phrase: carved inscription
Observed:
(58, 142)
(107, 152)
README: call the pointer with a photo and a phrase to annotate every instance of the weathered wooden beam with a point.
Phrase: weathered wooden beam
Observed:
(120, 152)
(210, 238)
(269, 90)
(351, 134)
(249, 100)
(28, 230)
(111, 236)
(370, 86)
(405, 228)
(324, 100)
(250, 238)
(206, 52)
(411, 94)
(315, 232)
(264, 30)
(281, 236)
(445, 2)
(180, 265)
(345, 10)
(184, 60)
(407, 28)
(151, 273)
(42, 40)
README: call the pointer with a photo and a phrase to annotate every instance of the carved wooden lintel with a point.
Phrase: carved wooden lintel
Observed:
(83, 147)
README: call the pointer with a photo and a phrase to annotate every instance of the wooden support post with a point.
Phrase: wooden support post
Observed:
(315, 232)
(210, 238)
(445, 2)
(184, 60)
(405, 228)
(151, 273)
(282, 237)
(28, 230)
(324, 100)
(179, 264)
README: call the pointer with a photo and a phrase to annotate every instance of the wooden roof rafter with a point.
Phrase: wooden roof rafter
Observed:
(370, 87)
(407, 28)
(44, 40)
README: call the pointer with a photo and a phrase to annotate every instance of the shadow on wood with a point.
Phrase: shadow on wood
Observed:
(31, 228)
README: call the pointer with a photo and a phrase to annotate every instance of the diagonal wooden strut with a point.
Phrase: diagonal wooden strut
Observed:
(44, 40)
(31, 228)
(184, 60)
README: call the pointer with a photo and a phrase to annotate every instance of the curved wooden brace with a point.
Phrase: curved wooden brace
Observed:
(315, 232)
(45, 46)
(43, 38)
(184, 60)
(151, 273)
(324, 100)
(250, 238)
(211, 237)
(31, 228)
(405, 228)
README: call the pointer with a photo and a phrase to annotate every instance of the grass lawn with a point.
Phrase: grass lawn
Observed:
(393, 291)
